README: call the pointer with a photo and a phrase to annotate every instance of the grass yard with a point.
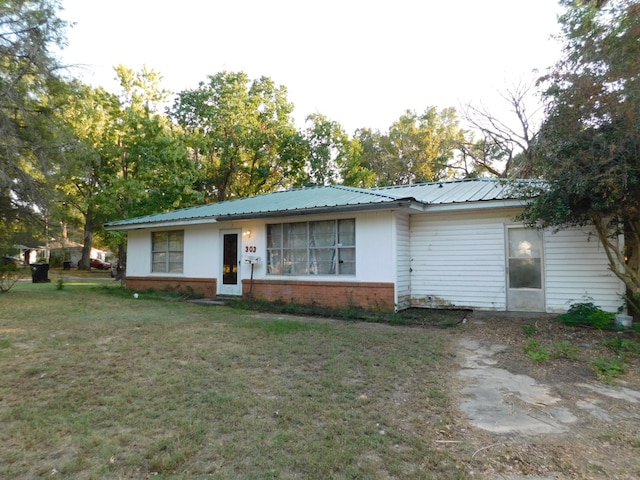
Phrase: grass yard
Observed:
(96, 384)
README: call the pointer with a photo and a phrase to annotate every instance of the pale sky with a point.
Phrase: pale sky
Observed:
(361, 63)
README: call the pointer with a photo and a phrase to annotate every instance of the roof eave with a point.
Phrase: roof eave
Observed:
(270, 214)
(159, 224)
(319, 210)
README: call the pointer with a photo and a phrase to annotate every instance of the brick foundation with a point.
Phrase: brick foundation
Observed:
(204, 286)
(373, 295)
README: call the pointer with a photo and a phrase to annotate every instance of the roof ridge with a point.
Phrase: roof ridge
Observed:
(437, 182)
(367, 191)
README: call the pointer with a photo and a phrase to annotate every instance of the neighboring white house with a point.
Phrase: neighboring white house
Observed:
(446, 244)
(69, 251)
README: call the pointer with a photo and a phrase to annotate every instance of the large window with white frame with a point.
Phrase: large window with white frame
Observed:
(326, 247)
(167, 251)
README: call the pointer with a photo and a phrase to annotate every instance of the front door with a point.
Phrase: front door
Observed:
(525, 289)
(230, 275)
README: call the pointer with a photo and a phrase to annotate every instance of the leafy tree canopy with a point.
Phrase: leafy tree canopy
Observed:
(331, 156)
(589, 145)
(417, 148)
(241, 134)
(28, 71)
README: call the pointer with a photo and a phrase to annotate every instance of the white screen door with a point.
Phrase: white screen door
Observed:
(525, 289)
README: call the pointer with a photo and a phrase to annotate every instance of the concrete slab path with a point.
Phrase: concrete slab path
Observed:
(504, 403)
(499, 401)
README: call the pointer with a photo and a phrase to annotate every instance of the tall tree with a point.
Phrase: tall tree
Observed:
(28, 29)
(241, 134)
(330, 152)
(354, 172)
(123, 158)
(506, 146)
(150, 170)
(373, 154)
(418, 147)
(90, 116)
(589, 147)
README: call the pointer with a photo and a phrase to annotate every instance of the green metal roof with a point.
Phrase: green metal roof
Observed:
(326, 199)
(458, 191)
(288, 202)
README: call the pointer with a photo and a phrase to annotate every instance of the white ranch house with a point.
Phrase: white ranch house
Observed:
(448, 244)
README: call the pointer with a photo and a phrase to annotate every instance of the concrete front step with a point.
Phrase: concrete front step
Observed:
(220, 300)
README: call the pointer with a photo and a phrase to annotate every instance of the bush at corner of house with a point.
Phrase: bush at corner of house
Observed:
(601, 319)
(587, 314)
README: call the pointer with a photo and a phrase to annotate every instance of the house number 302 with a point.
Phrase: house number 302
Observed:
(250, 249)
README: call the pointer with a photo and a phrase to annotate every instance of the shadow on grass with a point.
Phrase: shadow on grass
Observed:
(439, 318)
(422, 317)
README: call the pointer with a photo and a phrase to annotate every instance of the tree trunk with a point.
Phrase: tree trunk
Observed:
(624, 263)
(632, 266)
(85, 260)
(121, 266)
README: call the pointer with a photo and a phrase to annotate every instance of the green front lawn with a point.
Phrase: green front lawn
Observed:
(97, 384)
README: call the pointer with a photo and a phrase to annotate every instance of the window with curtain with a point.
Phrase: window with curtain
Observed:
(167, 251)
(325, 247)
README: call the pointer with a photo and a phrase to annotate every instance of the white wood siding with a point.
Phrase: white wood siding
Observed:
(576, 268)
(138, 253)
(403, 261)
(458, 259)
(201, 252)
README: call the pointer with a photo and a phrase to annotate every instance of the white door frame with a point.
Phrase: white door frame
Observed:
(230, 282)
(525, 298)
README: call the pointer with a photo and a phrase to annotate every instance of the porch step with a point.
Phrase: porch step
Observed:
(219, 300)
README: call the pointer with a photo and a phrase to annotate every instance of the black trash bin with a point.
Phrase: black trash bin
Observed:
(40, 273)
(66, 265)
